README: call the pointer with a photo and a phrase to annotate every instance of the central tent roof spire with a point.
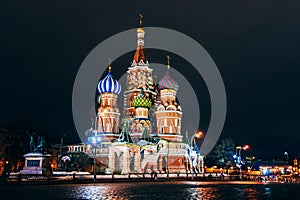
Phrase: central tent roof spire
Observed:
(140, 56)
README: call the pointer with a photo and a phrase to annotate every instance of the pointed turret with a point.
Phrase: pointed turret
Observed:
(139, 77)
(140, 56)
(125, 137)
(146, 135)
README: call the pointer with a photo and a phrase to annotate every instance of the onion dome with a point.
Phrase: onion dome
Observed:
(142, 101)
(168, 81)
(109, 84)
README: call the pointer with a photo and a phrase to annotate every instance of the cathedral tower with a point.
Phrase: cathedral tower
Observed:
(168, 111)
(139, 77)
(108, 112)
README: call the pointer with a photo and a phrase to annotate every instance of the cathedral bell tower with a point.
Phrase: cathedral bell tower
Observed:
(108, 112)
(168, 111)
(139, 77)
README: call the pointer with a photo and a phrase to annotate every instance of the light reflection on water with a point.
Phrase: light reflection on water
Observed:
(89, 192)
(267, 192)
(202, 193)
(154, 190)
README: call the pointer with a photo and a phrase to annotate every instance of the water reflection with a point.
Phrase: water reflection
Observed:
(153, 190)
(267, 192)
(89, 192)
(202, 193)
(98, 191)
(209, 190)
(251, 193)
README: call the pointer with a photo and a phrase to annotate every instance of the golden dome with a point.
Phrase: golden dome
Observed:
(140, 30)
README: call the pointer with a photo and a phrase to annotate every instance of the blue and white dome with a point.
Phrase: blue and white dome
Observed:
(109, 84)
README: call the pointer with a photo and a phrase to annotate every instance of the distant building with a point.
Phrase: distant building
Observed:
(296, 165)
(81, 147)
(274, 167)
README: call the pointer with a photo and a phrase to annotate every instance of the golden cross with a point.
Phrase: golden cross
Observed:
(168, 57)
(109, 65)
(141, 19)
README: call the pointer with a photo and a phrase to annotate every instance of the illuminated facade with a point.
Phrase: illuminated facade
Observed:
(138, 148)
(139, 77)
(168, 111)
(108, 111)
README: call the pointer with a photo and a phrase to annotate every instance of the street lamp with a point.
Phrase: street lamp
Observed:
(238, 150)
(198, 134)
(94, 141)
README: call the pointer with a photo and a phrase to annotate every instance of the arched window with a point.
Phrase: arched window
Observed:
(161, 108)
(171, 107)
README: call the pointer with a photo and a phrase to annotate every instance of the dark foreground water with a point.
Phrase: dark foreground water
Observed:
(153, 190)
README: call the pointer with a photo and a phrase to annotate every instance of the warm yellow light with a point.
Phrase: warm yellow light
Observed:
(199, 134)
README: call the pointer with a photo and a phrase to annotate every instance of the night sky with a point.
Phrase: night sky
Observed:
(255, 44)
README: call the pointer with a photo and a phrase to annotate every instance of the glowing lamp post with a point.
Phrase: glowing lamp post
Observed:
(194, 156)
(238, 152)
(94, 141)
(198, 135)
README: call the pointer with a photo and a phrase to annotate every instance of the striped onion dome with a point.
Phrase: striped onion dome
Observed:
(142, 101)
(168, 82)
(109, 84)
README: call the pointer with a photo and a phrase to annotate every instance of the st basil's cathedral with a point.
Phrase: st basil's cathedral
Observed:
(127, 143)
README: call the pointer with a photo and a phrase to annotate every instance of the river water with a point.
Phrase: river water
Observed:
(154, 190)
